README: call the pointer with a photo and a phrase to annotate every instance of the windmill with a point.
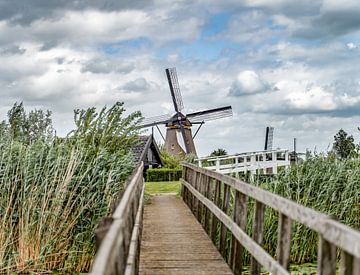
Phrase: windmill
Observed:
(179, 138)
(269, 138)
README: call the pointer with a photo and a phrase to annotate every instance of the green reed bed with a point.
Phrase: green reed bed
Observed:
(327, 185)
(53, 193)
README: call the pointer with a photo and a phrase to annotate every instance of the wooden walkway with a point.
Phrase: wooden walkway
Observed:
(173, 241)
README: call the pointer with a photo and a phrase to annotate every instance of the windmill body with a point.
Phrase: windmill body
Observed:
(179, 138)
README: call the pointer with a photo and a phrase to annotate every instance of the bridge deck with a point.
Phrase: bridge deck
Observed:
(173, 241)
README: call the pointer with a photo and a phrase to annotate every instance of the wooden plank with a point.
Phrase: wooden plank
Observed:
(199, 204)
(223, 230)
(215, 221)
(248, 243)
(132, 265)
(207, 212)
(240, 218)
(346, 263)
(114, 249)
(258, 233)
(284, 241)
(175, 243)
(326, 257)
(341, 235)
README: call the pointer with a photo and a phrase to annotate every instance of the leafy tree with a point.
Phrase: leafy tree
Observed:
(218, 152)
(343, 145)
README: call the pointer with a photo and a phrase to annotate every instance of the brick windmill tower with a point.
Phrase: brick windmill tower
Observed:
(179, 138)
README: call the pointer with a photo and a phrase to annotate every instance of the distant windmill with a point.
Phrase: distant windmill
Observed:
(269, 138)
(179, 138)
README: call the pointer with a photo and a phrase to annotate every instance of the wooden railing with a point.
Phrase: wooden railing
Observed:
(120, 248)
(207, 193)
(266, 162)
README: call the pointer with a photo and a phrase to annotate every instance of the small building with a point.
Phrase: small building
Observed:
(147, 151)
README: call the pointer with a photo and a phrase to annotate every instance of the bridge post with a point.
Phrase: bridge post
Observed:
(217, 165)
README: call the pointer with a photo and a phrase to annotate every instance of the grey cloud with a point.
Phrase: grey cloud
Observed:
(26, 11)
(12, 50)
(105, 66)
(330, 25)
(137, 85)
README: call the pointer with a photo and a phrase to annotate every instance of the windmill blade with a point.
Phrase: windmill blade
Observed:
(174, 89)
(269, 135)
(211, 114)
(152, 121)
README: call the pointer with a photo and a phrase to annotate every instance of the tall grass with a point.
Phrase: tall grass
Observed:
(328, 185)
(52, 194)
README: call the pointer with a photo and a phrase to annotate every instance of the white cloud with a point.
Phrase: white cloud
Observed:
(247, 82)
(351, 46)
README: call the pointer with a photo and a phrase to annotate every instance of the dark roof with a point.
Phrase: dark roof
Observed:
(144, 144)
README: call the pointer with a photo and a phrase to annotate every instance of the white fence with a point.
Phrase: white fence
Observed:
(261, 162)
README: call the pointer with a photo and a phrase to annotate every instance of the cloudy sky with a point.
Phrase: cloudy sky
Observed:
(293, 65)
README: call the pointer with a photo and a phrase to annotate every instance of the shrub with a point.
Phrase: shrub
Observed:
(163, 174)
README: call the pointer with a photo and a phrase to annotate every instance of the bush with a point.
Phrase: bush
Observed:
(163, 174)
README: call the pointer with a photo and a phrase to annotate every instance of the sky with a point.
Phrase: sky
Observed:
(293, 65)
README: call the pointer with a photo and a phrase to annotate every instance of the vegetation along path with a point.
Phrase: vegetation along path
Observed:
(174, 242)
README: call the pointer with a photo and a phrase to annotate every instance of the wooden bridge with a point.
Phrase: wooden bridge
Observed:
(190, 235)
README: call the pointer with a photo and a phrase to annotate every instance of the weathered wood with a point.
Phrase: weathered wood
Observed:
(174, 242)
(284, 241)
(326, 257)
(346, 263)
(112, 255)
(223, 231)
(200, 186)
(340, 235)
(207, 212)
(183, 175)
(258, 233)
(215, 221)
(240, 218)
(132, 265)
(256, 250)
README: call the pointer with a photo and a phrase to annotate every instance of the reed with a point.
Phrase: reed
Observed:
(52, 194)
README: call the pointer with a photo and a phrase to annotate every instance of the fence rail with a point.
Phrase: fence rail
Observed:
(207, 193)
(120, 248)
(266, 162)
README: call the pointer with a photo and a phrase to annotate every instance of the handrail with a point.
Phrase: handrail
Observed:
(242, 154)
(205, 202)
(118, 252)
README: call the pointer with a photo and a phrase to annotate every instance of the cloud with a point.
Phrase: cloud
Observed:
(105, 65)
(247, 83)
(137, 85)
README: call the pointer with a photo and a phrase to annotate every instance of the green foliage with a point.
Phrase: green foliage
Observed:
(327, 185)
(53, 192)
(27, 128)
(218, 152)
(169, 160)
(163, 174)
(343, 145)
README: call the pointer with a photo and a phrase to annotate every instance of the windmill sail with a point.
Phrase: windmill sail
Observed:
(269, 138)
(175, 89)
(152, 121)
(211, 114)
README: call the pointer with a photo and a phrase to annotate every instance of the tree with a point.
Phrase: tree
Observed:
(343, 145)
(218, 152)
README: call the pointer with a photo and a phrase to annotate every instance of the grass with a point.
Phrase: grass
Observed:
(153, 188)
(53, 193)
